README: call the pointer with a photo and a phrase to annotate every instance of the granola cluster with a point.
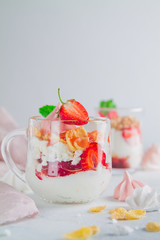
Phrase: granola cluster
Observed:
(120, 123)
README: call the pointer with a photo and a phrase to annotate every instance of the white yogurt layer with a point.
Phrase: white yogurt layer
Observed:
(130, 148)
(80, 187)
(57, 152)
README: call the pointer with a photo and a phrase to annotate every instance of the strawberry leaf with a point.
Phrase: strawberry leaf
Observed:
(46, 110)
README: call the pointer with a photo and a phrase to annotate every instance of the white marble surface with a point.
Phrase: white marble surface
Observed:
(55, 219)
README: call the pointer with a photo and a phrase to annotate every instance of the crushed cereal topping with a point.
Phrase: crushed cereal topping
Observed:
(120, 123)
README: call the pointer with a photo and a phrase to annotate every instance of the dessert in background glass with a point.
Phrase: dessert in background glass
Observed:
(126, 137)
(151, 158)
(68, 158)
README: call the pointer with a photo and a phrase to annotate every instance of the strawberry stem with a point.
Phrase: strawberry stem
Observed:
(60, 96)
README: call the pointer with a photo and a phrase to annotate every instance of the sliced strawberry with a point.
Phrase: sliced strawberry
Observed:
(55, 169)
(93, 136)
(73, 110)
(101, 114)
(92, 156)
(63, 136)
(66, 168)
(109, 138)
(89, 159)
(130, 132)
(104, 163)
(44, 170)
(38, 175)
(112, 115)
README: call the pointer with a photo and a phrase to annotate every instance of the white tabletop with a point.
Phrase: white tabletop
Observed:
(56, 219)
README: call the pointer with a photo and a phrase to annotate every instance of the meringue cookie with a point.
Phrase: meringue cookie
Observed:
(5, 233)
(144, 198)
(121, 230)
(114, 221)
(151, 159)
(126, 187)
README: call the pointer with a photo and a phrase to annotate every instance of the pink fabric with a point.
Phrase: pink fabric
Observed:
(19, 145)
(3, 169)
(126, 187)
(15, 206)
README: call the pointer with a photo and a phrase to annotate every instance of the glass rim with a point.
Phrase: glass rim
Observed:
(91, 119)
(130, 109)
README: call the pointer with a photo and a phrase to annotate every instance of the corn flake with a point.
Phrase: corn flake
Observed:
(77, 139)
(153, 226)
(95, 229)
(135, 214)
(62, 141)
(118, 213)
(118, 210)
(97, 209)
(123, 214)
(82, 234)
(46, 137)
(37, 133)
(118, 216)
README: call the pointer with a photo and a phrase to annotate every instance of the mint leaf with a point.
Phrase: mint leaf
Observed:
(46, 110)
(102, 104)
(107, 104)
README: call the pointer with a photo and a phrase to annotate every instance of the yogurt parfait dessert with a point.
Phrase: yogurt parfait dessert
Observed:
(69, 158)
(126, 135)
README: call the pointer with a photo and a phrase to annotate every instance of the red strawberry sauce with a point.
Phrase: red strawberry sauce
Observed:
(120, 162)
(90, 158)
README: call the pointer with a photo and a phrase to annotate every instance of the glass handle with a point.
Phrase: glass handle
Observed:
(5, 146)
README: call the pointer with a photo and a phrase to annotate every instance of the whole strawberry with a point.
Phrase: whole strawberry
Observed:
(73, 111)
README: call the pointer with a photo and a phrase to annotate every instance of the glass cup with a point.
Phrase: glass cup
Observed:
(126, 137)
(66, 163)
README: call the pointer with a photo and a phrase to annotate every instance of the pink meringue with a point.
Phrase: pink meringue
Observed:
(151, 159)
(45, 125)
(56, 127)
(126, 187)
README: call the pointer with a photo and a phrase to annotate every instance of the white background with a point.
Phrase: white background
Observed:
(92, 50)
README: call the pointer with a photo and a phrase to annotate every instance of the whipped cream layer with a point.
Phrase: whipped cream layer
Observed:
(130, 148)
(80, 187)
(57, 152)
